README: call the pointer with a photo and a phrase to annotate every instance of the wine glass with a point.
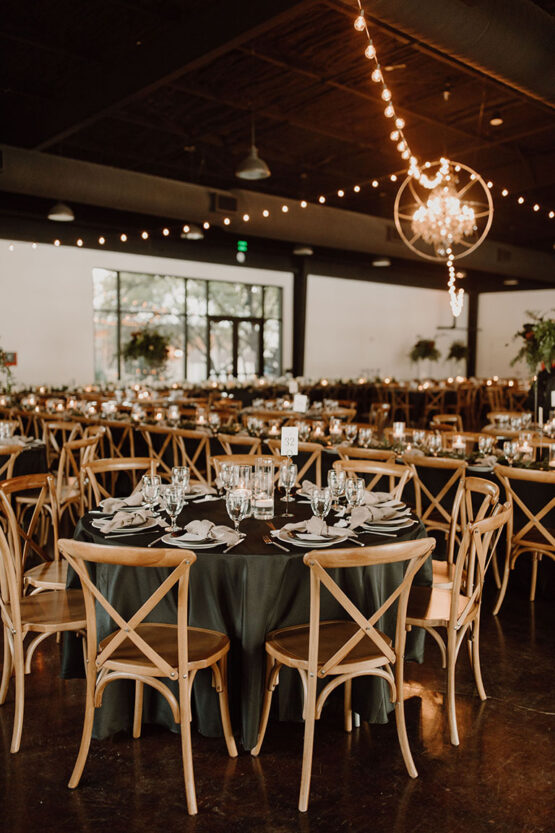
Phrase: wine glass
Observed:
(225, 475)
(351, 432)
(354, 491)
(485, 445)
(150, 486)
(435, 443)
(181, 476)
(174, 498)
(237, 503)
(320, 501)
(287, 479)
(510, 450)
(365, 437)
(336, 482)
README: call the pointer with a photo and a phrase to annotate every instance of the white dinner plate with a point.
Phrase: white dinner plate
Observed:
(189, 542)
(372, 526)
(479, 468)
(287, 538)
(150, 524)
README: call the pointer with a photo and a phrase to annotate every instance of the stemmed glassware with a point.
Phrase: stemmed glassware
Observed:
(174, 499)
(510, 450)
(365, 437)
(238, 504)
(320, 501)
(226, 476)
(287, 479)
(336, 482)
(181, 476)
(485, 445)
(354, 491)
(150, 486)
(435, 443)
(350, 432)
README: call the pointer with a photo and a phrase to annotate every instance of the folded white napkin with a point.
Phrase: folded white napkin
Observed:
(206, 529)
(124, 519)
(114, 504)
(375, 498)
(201, 489)
(362, 514)
(17, 440)
(316, 526)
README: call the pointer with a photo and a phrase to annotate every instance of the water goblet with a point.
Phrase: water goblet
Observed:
(336, 482)
(354, 491)
(304, 431)
(174, 498)
(320, 502)
(435, 444)
(237, 503)
(351, 432)
(365, 437)
(181, 476)
(225, 476)
(287, 479)
(150, 486)
(419, 438)
(510, 450)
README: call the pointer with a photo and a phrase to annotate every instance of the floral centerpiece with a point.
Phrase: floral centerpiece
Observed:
(538, 347)
(425, 348)
(149, 349)
(458, 351)
(6, 375)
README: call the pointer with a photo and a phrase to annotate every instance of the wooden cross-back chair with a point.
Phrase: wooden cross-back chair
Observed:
(101, 432)
(434, 402)
(69, 479)
(44, 614)
(164, 446)
(147, 653)
(309, 465)
(14, 423)
(381, 455)
(495, 397)
(475, 500)
(34, 496)
(194, 447)
(120, 438)
(457, 609)
(379, 415)
(55, 433)
(100, 476)
(239, 443)
(453, 420)
(374, 472)
(401, 405)
(516, 398)
(338, 651)
(532, 528)
(435, 501)
(8, 456)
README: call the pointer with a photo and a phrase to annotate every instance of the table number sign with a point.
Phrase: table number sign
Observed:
(289, 441)
(300, 403)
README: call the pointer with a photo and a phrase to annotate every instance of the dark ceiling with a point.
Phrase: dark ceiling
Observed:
(167, 88)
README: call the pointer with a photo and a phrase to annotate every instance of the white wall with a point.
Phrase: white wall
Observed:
(500, 316)
(357, 328)
(46, 305)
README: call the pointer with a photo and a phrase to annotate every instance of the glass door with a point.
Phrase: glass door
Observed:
(235, 347)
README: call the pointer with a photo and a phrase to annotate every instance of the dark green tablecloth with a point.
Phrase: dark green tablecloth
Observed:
(245, 593)
(32, 459)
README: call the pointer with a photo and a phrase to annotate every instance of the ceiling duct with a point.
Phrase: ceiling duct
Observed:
(509, 40)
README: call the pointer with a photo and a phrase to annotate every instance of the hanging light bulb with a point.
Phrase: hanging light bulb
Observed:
(360, 23)
(389, 112)
(394, 135)
(370, 51)
(377, 76)
(386, 94)
(400, 123)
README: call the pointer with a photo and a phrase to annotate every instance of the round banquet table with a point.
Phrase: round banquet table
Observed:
(32, 459)
(245, 593)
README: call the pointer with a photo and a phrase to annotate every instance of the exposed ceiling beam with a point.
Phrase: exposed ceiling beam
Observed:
(213, 30)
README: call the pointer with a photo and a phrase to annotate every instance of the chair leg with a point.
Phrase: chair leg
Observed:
(186, 746)
(476, 659)
(451, 710)
(19, 691)
(504, 582)
(272, 671)
(400, 717)
(308, 744)
(138, 711)
(347, 711)
(7, 667)
(224, 708)
(495, 567)
(87, 732)
(535, 559)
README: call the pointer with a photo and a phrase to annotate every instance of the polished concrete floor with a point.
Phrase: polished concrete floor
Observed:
(500, 779)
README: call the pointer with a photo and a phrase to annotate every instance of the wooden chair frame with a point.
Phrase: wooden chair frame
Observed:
(247, 444)
(147, 666)
(453, 420)
(55, 433)
(118, 448)
(12, 452)
(444, 516)
(97, 491)
(379, 455)
(394, 471)
(521, 541)
(314, 661)
(457, 610)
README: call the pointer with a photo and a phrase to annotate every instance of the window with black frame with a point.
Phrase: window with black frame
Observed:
(215, 329)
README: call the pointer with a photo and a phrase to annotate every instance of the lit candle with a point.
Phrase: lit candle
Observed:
(399, 430)
(459, 444)
(540, 417)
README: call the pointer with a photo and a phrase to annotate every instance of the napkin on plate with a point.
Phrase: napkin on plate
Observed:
(114, 504)
(362, 514)
(375, 498)
(316, 526)
(124, 519)
(206, 529)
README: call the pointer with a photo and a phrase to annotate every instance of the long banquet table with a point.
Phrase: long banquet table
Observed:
(244, 593)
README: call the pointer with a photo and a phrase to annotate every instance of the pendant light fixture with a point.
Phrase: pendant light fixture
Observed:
(61, 213)
(252, 167)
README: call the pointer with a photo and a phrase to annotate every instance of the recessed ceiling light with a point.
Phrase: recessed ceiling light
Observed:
(510, 282)
(381, 261)
(496, 120)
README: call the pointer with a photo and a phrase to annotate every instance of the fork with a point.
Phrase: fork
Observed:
(268, 540)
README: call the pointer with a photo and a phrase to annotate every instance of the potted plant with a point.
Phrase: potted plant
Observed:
(6, 375)
(458, 352)
(424, 348)
(538, 350)
(148, 349)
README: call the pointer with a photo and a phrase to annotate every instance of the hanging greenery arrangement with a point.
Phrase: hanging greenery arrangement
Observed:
(538, 347)
(425, 348)
(149, 348)
(6, 375)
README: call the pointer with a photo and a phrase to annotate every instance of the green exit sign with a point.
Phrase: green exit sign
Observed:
(242, 246)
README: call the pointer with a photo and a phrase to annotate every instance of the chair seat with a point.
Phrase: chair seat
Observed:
(53, 610)
(205, 647)
(431, 606)
(51, 575)
(290, 645)
(441, 573)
